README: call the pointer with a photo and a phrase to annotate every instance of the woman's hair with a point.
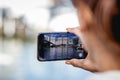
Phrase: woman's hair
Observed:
(116, 24)
(118, 3)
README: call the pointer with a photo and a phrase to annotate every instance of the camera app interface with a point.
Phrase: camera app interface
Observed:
(62, 46)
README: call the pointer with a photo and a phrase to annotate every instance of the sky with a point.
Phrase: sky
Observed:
(37, 13)
(61, 22)
(22, 5)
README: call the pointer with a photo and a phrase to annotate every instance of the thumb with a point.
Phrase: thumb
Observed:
(84, 64)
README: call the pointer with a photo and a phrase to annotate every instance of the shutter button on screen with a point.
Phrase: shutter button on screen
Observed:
(80, 54)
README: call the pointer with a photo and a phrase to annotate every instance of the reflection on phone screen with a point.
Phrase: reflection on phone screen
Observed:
(61, 46)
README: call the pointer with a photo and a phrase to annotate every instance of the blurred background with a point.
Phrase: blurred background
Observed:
(20, 23)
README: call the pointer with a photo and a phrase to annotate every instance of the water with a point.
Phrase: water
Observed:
(18, 61)
(60, 53)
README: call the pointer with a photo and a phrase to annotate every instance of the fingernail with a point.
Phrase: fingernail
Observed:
(67, 62)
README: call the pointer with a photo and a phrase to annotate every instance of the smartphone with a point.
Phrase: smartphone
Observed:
(59, 46)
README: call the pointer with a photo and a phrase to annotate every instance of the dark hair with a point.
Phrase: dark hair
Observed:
(118, 3)
(116, 24)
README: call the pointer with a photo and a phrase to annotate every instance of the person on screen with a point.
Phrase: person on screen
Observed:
(99, 32)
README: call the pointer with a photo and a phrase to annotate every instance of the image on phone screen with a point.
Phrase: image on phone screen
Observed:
(59, 46)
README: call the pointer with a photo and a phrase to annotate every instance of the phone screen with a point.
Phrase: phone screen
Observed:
(59, 46)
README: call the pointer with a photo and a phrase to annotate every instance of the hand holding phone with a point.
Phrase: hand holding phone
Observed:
(59, 46)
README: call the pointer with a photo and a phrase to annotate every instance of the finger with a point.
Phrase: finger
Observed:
(74, 62)
(84, 64)
(75, 31)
